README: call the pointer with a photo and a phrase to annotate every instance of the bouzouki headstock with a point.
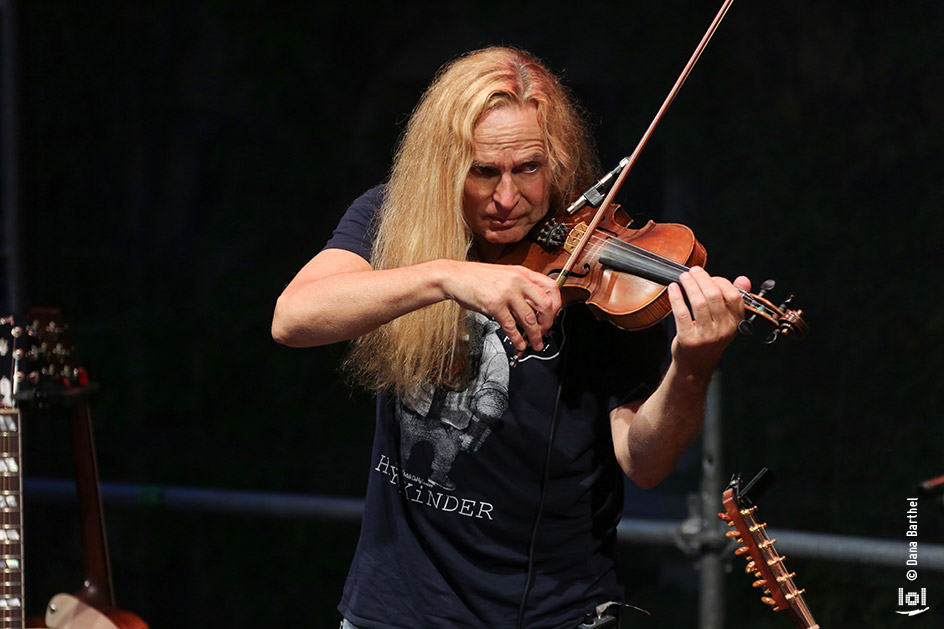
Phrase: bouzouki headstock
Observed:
(763, 561)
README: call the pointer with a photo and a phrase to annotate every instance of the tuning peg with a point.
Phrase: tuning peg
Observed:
(734, 533)
(751, 566)
(725, 517)
(760, 583)
(741, 550)
(767, 544)
(746, 326)
(768, 600)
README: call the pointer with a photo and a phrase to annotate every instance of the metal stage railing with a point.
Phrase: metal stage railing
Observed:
(684, 534)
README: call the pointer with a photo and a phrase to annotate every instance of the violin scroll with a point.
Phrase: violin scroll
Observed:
(785, 321)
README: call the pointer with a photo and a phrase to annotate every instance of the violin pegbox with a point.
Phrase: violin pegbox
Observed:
(785, 321)
(551, 234)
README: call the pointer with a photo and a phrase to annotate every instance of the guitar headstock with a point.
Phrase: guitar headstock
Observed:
(36, 358)
(763, 562)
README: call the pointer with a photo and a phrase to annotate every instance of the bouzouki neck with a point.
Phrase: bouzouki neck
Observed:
(776, 583)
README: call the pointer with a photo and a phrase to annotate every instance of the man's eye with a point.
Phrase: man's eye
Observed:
(530, 167)
(484, 171)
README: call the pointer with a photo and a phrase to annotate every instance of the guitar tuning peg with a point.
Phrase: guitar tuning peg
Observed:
(768, 600)
(734, 533)
(750, 567)
(725, 517)
(776, 560)
(760, 583)
(741, 550)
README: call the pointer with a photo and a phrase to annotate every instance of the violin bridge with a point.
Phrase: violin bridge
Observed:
(574, 236)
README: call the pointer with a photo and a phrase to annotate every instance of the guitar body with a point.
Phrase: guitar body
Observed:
(67, 612)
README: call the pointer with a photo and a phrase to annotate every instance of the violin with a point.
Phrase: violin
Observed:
(622, 273)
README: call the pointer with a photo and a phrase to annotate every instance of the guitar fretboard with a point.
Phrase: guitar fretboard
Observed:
(11, 524)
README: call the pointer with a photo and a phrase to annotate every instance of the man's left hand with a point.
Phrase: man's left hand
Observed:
(707, 324)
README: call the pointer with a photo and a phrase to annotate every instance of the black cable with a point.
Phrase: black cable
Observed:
(555, 416)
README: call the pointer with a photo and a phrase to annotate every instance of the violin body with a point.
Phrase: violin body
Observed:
(615, 275)
(622, 273)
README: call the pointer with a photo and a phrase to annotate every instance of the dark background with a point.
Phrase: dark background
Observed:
(180, 161)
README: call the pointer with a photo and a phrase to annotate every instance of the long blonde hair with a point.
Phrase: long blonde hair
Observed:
(421, 218)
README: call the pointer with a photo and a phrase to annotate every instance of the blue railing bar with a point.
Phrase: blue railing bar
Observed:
(801, 544)
(234, 502)
(857, 550)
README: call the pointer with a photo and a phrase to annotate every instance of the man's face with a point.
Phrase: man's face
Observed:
(508, 186)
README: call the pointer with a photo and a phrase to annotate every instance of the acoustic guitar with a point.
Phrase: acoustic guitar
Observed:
(37, 369)
(770, 574)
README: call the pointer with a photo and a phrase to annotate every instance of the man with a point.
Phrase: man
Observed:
(494, 491)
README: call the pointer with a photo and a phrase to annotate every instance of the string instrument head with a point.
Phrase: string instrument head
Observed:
(764, 563)
(786, 321)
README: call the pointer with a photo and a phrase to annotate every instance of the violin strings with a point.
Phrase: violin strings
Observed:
(600, 241)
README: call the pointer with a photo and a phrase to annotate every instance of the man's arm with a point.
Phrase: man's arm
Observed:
(338, 296)
(650, 435)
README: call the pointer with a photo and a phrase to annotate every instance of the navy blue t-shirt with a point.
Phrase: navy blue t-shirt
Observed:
(456, 476)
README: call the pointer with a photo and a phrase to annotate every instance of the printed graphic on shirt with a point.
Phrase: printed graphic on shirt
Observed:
(421, 491)
(458, 419)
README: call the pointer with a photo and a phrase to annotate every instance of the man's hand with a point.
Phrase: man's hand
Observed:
(705, 330)
(516, 297)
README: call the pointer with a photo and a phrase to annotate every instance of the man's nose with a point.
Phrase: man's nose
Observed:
(506, 192)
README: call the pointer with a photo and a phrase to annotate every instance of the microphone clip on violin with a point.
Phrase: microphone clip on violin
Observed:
(595, 194)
